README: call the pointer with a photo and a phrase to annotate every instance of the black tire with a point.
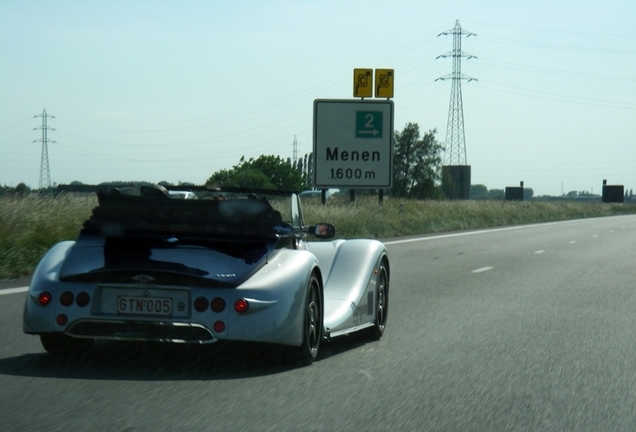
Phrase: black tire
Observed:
(59, 344)
(381, 305)
(313, 322)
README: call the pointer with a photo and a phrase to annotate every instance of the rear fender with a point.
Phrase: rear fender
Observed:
(41, 319)
(277, 294)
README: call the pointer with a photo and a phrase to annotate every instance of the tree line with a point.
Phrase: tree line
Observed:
(417, 168)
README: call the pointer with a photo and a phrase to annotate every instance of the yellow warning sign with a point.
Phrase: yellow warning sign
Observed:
(362, 83)
(384, 83)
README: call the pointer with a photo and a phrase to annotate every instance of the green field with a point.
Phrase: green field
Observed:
(30, 225)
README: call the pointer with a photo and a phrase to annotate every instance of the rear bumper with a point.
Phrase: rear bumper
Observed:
(157, 331)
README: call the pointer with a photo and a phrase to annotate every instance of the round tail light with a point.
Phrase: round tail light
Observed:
(44, 298)
(61, 319)
(66, 299)
(219, 326)
(200, 304)
(217, 305)
(83, 299)
(241, 306)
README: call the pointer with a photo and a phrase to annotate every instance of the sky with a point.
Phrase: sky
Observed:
(177, 90)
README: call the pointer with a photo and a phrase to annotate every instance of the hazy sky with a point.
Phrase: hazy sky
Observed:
(176, 90)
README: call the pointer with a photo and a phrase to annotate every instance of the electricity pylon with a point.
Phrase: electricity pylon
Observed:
(455, 153)
(45, 174)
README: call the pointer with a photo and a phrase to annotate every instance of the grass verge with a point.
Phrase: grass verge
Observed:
(30, 225)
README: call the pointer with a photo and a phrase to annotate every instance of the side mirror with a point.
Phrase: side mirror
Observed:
(323, 230)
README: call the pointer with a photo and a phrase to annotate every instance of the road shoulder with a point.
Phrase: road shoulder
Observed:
(22, 281)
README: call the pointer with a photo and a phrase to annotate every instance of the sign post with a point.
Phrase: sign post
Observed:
(353, 144)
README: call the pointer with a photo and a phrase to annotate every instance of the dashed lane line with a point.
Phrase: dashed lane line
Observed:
(481, 270)
(14, 290)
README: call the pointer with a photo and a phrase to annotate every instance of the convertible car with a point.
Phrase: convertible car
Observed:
(234, 265)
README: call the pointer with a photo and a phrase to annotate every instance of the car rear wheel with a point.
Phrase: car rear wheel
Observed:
(60, 344)
(313, 322)
(381, 304)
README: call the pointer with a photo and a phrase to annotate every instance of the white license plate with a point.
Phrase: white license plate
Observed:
(144, 305)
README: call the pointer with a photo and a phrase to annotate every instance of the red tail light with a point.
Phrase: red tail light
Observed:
(241, 306)
(83, 299)
(200, 304)
(66, 299)
(44, 298)
(219, 326)
(61, 319)
(217, 305)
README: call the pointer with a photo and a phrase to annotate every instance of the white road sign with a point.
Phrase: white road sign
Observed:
(353, 144)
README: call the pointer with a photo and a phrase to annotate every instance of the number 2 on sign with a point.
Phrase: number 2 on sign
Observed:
(369, 118)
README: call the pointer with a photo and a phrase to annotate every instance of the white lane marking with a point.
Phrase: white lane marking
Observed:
(573, 241)
(367, 374)
(481, 270)
(595, 235)
(539, 252)
(485, 231)
(13, 290)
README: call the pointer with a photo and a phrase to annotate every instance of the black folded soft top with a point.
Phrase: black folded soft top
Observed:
(240, 217)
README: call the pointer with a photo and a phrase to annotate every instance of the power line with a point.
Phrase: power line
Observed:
(534, 29)
(559, 97)
(558, 47)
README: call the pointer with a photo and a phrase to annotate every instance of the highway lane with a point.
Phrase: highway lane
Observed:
(524, 328)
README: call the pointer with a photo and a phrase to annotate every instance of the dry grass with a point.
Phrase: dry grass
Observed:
(30, 225)
(396, 218)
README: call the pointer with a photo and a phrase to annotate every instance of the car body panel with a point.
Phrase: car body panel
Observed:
(275, 293)
(146, 278)
(349, 283)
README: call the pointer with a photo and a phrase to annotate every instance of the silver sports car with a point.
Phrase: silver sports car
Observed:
(235, 265)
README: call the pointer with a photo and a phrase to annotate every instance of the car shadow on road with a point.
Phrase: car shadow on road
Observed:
(154, 361)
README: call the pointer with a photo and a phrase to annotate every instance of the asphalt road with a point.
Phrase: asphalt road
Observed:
(525, 328)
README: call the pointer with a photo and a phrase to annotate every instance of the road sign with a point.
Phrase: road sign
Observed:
(384, 83)
(362, 82)
(353, 144)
